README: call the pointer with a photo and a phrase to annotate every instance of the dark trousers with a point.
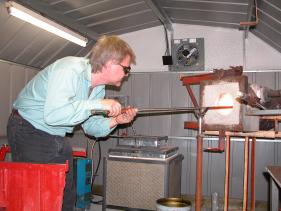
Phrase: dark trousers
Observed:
(29, 144)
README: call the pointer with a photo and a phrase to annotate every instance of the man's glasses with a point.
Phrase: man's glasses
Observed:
(126, 69)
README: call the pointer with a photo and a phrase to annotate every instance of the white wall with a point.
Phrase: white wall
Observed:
(223, 48)
(261, 56)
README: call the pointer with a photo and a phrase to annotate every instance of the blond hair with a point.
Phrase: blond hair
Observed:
(110, 48)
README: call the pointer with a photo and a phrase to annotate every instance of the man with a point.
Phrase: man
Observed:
(66, 94)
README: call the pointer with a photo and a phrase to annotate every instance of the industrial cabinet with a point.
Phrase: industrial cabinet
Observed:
(135, 183)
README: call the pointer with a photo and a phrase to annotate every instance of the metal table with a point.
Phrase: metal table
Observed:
(275, 184)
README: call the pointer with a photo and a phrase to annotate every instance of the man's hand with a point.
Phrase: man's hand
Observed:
(113, 107)
(126, 116)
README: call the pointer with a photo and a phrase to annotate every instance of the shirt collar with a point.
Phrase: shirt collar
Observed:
(88, 76)
(88, 72)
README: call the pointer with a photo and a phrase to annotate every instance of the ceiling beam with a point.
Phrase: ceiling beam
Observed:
(49, 12)
(160, 13)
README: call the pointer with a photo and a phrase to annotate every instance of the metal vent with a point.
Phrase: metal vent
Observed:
(188, 54)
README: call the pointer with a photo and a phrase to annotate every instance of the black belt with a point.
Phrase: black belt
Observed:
(15, 112)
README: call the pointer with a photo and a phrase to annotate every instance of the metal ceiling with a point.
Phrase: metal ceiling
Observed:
(25, 44)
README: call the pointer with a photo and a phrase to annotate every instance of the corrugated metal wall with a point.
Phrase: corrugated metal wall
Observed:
(12, 80)
(165, 90)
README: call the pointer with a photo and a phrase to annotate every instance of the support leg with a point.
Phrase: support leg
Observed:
(253, 174)
(227, 173)
(198, 194)
(246, 172)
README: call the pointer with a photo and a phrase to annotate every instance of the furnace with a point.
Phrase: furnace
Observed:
(225, 92)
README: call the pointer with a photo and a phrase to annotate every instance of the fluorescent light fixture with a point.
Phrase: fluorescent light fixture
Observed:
(38, 20)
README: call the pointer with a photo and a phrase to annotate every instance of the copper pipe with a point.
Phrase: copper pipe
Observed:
(253, 174)
(196, 79)
(191, 125)
(252, 23)
(246, 172)
(198, 194)
(227, 173)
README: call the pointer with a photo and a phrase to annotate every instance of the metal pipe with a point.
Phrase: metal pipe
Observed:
(233, 139)
(179, 109)
(200, 125)
(253, 174)
(198, 194)
(227, 173)
(246, 173)
(142, 111)
(193, 138)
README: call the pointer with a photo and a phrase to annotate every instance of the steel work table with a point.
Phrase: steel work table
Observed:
(275, 185)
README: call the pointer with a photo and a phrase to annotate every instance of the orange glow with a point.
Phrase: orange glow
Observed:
(225, 99)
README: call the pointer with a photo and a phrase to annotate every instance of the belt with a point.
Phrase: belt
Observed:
(15, 112)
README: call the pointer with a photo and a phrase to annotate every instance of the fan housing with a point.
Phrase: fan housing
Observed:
(188, 54)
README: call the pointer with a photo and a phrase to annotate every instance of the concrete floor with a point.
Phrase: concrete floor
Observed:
(96, 207)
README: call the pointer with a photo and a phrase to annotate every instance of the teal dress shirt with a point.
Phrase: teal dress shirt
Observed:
(58, 98)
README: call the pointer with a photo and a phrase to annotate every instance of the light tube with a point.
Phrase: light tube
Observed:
(38, 20)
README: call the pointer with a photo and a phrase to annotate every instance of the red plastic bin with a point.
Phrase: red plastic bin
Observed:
(3, 151)
(31, 187)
